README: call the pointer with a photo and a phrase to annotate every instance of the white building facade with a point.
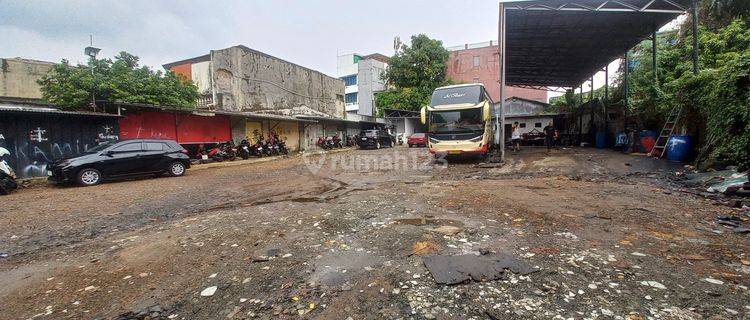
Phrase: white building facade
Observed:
(363, 79)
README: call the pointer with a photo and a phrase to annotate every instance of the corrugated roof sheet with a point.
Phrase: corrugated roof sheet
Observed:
(561, 43)
(9, 107)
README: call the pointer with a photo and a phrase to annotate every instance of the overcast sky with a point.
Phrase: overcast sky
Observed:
(310, 33)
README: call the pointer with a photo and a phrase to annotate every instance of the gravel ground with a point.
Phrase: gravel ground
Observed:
(343, 235)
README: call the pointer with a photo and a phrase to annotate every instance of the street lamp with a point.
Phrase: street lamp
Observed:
(92, 52)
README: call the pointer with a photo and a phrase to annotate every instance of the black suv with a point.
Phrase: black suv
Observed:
(375, 139)
(121, 159)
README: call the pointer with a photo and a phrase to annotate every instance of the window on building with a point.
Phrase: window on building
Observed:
(477, 61)
(538, 125)
(350, 80)
(351, 98)
(522, 125)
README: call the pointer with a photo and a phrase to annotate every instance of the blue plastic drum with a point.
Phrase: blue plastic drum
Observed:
(601, 140)
(680, 148)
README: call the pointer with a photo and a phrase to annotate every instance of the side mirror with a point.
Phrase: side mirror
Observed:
(109, 153)
(487, 112)
(423, 115)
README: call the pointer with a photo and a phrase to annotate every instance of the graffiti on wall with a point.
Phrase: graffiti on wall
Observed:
(36, 144)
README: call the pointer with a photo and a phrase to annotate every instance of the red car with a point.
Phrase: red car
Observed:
(417, 139)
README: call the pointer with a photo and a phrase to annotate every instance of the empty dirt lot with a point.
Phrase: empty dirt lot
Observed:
(344, 236)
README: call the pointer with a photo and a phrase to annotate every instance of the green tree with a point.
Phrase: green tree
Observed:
(121, 79)
(716, 102)
(414, 72)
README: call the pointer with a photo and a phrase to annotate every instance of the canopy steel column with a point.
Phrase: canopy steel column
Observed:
(606, 98)
(606, 83)
(580, 116)
(625, 87)
(500, 119)
(654, 65)
(591, 106)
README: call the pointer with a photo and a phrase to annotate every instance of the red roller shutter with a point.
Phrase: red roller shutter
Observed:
(200, 129)
(148, 125)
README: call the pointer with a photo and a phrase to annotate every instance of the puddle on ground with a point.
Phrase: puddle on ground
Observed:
(429, 221)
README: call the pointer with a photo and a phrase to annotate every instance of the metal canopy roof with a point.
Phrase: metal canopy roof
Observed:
(562, 43)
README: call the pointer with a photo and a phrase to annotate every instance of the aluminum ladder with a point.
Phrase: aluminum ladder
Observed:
(660, 147)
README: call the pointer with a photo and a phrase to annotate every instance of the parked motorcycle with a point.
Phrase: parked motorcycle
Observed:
(243, 149)
(230, 150)
(217, 154)
(282, 146)
(7, 176)
(259, 149)
(351, 141)
(336, 142)
(322, 143)
(279, 146)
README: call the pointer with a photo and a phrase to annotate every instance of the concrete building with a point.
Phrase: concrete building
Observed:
(242, 79)
(362, 75)
(530, 115)
(251, 86)
(478, 63)
(18, 77)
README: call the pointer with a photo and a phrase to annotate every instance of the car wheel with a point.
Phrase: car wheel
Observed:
(89, 177)
(176, 169)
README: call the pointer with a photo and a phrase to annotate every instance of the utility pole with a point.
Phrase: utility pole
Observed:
(92, 52)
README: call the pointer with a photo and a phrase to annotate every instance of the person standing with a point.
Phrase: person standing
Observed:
(549, 136)
(515, 137)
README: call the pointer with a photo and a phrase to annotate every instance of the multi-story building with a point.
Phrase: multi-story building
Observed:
(478, 63)
(18, 77)
(242, 79)
(264, 94)
(363, 79)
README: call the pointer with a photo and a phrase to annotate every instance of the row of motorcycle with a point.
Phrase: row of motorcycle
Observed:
(228, 151)
(334, 142)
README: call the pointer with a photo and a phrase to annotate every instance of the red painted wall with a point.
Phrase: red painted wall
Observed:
(184, 69)
(183, 128)
(461, 69)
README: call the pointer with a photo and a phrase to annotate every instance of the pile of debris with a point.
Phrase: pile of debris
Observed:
(727, 182)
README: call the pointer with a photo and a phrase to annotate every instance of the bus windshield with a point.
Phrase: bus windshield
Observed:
(457, 95)
(466, 120)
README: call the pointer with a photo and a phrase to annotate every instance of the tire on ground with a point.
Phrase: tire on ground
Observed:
(176, 169)
(89, 177)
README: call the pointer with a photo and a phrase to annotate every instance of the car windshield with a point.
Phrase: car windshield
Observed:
(418, 135)
(467, 120)
(100, 147)
(457, 95)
